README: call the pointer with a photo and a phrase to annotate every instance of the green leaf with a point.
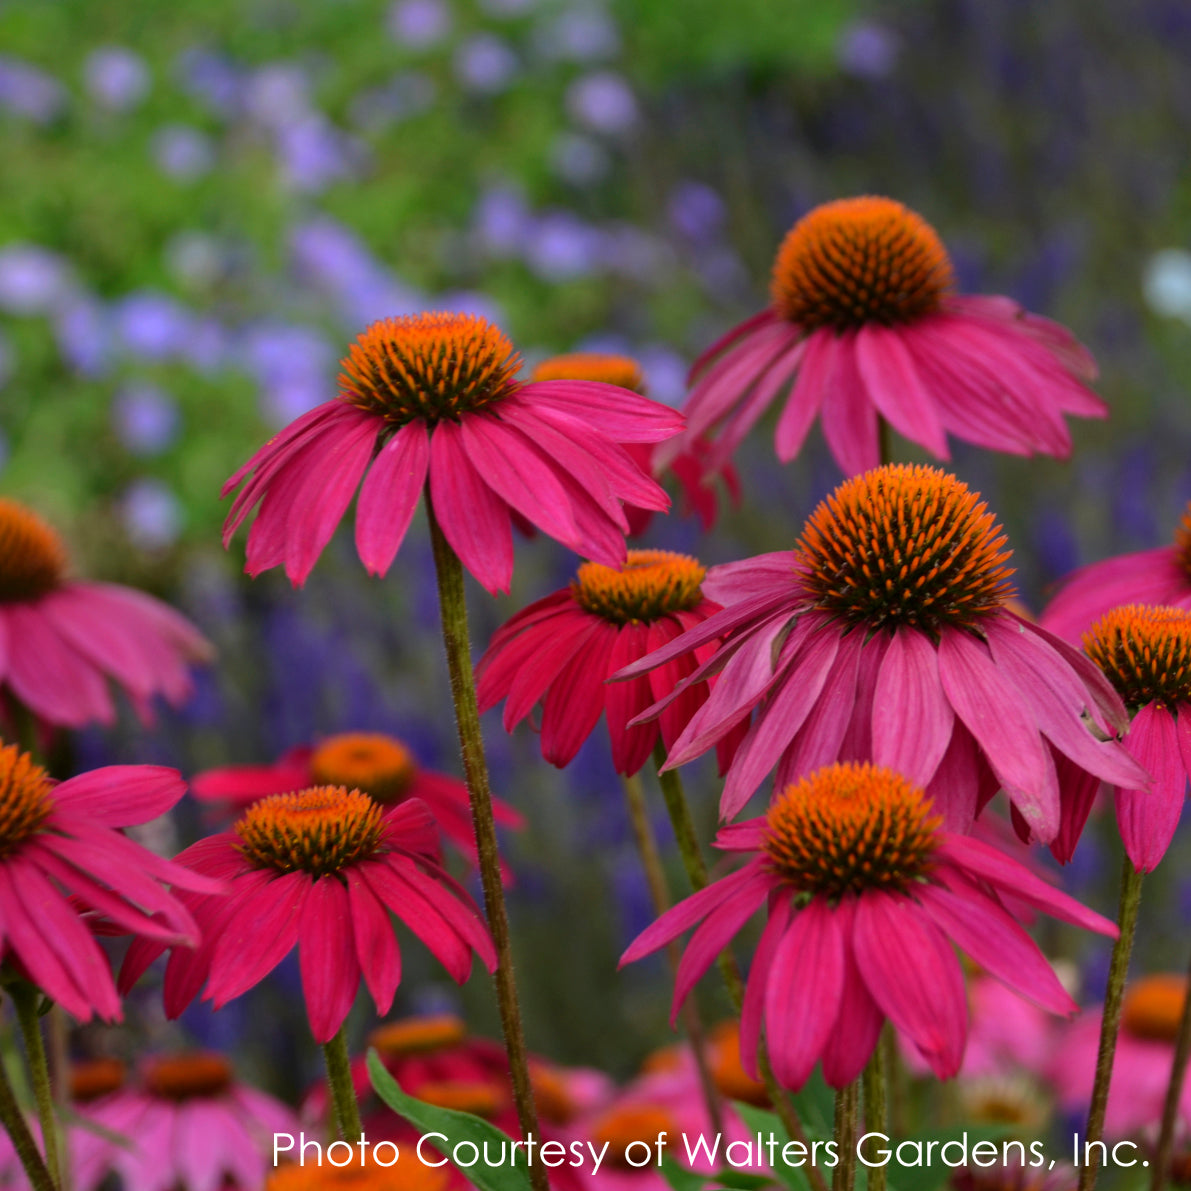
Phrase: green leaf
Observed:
(457, 1126)
(679, 1178)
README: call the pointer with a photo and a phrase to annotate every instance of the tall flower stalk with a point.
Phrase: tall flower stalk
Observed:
(1174, 1093)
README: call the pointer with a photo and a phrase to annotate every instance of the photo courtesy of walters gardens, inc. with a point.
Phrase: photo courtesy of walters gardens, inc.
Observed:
(595, 595)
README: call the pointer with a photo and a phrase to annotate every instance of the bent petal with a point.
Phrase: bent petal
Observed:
(1148, 818)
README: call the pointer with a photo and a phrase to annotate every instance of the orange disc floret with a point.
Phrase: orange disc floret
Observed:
(187, 1077)
(32, 557)
(850, 827)
(404, 1174)
(1145, 652)
(428, 367)
(25, 799)
(94, 1078)
(723, 1053)
(651, 584)
(418, 1035)
(1153, 1007)
(370, 761)
(464, 1095)
(622, 371)
(859, 260)
(318, 831)
(906, 545)
(624, 1124)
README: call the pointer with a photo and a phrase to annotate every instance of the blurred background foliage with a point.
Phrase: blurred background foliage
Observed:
(201, 203)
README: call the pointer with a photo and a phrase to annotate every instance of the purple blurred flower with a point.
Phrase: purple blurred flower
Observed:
(468, 301)
(330, 255)
(116, 78)
(151, 324)
(665, 373)
(586, 34)
(211, 79)
(561, 246)
(146, 419)
(602, 102)
(579, 159)
(381, 296)
(29, 92)
(406, 94)
(294, 366)
(502, 221)
(33, 280)
(867, 49)
(278, 95)
(419, 24)
(83, 331)
(485, 64)
(313, 154)
(151, 514)
(633, 252)
(183, 152)
(696, 211)
(206, 345)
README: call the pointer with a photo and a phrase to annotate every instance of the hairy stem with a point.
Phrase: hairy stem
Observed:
(456, 641)
(26, 999)
(14, 1124)
(1174, 1093)
(345, 1106)
(876, 1108)
(846, 1103)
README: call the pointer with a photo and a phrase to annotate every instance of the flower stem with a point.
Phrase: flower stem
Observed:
(696, 871)
(1111, 1023)
(655, 876)
(14, 1124)
(876, 1108)
(1174, 1093)
(846, 1104)
(453, 604)
(26, 998)
(345, 1107)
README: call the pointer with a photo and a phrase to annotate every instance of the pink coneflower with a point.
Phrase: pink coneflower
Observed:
(561, 649)
(1150, 1015)
(1146, 654)
(690, 467)
(432, 399)
(863, 325)
(380, 765)
(1160, 576)
(884, 636)
(866, 895)
(61, 851)
(187, 1123)
(320, 869)
(62, 639)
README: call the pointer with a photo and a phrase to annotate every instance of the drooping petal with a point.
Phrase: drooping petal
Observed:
(376, 944)
(848, 1050)
(390, 495)
(1148, 818)
(895, 388)
(575, 700)
(122, 795)
(752, 1012)
(327, 957)
(848, 415)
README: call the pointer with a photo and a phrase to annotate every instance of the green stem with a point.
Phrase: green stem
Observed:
(696, 871)
(895, 1080)
(14, 1124)
(846, 1103)
(345, 1107)
(1174, 1093)
(453, 604)
(659, 891)
(1111, 1023)
(26, 999)
(876, 1108)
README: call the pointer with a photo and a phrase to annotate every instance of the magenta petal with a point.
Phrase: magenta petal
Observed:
(390, 495)
(376, 943)
(807, 396)
(803, 992)
(752, 1013)
(122, 795)
(912, 719)
(624, 701)
(754, 323)
(545, 655)
(848, 416)
(327, 957)
(575, 700)
(850, 1047)
(1148, 818)
(990, 707)
(914, 977)
(896, 389)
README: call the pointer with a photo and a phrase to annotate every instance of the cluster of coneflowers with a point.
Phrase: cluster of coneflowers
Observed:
(876, 685)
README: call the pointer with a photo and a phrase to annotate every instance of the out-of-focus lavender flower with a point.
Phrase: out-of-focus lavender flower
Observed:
(867, 49)
(502, 221)
(151, 514)
(561, 247)
(206, 346)
(635, 253)
(579, 159)
(313, 154)
(211, 79)
(116, 78)
(183, 152)
(84, 334)
(602, 102)
(146, 419)
(278, 95)
(485, 64)
(293, 364)
(665, 373)
(582, 34)
(1167, 283)
(722, 272)
(33, 280)
(469, 301)
(152, 325)
(330, 255)
(407, 94)
(419, 24)
(696, 211)
(29, 92)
